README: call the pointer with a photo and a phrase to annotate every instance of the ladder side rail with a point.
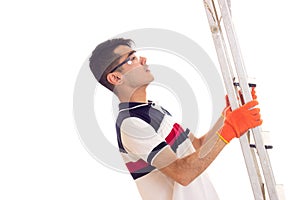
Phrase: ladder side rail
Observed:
(242, 75)
(262, 185)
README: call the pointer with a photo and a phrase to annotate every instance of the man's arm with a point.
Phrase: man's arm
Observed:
(237, 122)
(198, 142)
(186, 169)
(208, 147)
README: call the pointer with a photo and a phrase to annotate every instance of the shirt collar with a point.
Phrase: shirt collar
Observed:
(126, 105)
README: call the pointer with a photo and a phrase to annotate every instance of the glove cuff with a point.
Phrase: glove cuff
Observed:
(226, 133)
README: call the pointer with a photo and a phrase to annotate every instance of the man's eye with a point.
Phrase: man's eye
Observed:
(131, 60)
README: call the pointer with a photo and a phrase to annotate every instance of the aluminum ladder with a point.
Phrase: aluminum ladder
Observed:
(234, 78)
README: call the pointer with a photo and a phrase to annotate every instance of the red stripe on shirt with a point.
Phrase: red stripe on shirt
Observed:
(174, 134)
(135, 166)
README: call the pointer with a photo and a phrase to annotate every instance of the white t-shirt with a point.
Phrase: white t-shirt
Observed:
(148, 137)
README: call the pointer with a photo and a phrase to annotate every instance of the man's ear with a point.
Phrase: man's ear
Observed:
(114, 78)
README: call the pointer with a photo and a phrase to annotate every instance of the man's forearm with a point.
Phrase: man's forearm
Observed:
(186, 169)
(198, 142)
(219, 123)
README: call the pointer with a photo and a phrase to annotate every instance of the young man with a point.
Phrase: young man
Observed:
(166, 161)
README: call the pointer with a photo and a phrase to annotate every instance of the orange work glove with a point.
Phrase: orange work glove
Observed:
(237, 122)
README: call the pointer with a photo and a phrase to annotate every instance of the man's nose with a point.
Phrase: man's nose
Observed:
(143, 60)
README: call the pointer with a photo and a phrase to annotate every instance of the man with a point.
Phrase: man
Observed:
(166, 161)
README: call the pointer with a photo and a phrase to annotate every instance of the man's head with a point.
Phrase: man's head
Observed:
(114, 63)
(105, 56)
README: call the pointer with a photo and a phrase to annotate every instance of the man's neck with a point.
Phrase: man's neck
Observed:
(138, 95)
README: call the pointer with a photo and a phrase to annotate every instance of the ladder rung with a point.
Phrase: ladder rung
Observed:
(266, 146)
(250, 84)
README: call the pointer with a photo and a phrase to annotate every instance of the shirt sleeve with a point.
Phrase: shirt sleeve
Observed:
(140, 139)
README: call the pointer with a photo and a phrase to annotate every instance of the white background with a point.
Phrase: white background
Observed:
(43, 45)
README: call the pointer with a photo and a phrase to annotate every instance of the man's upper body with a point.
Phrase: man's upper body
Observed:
(162, 157)
(149, 141)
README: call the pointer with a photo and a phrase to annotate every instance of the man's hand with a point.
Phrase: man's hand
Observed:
(237, 122)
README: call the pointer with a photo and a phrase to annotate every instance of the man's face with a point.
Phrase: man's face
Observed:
(135, 72)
